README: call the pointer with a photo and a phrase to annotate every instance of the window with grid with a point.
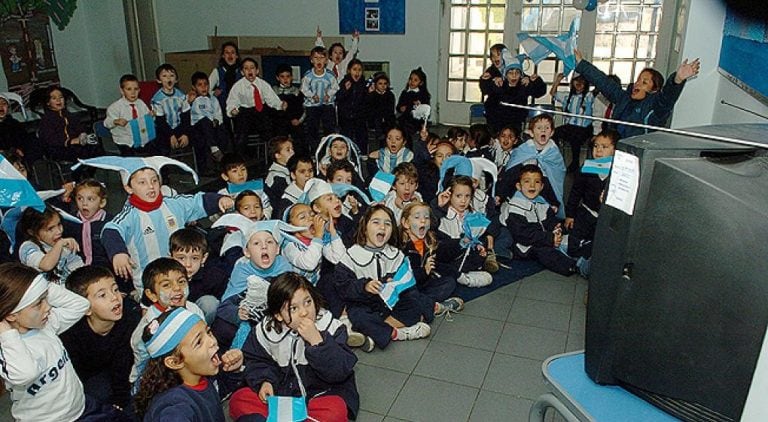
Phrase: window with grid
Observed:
(625, 37)
(547, 18)
(475, 25)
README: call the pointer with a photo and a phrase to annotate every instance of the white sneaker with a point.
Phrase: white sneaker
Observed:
(475, 279)
(415, 331)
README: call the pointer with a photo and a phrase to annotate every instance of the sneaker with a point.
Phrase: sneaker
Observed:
(452, 304)
(368, 345)
(355, 339)
(582, 265)
(491, 264)
(475, 279)
(415, 331)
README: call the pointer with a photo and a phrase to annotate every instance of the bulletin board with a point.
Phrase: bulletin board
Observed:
(372, 16)
(744, 52)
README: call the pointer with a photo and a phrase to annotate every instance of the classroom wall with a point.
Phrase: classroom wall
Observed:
(699, 103)
(300, 18)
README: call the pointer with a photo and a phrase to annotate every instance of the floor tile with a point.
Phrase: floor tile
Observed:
(578, 319)
(575, 342)
(399, 355)
(466, 330)
(363, 416)
(494, 305)
(491, 406)
(515, 376)
(509, 289)
(531, 342)
(549, 287)
(378, 387)
(453, 363)
(537, 313)
(425, 400)
(580, 293)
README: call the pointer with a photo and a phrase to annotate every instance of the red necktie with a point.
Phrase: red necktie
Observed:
(608, 111)
(134, 113)
(336, 71)
(257, 99)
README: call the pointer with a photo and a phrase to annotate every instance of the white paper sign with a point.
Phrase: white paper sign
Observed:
(625, 180)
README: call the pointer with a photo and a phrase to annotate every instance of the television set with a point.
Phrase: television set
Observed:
(678, 293)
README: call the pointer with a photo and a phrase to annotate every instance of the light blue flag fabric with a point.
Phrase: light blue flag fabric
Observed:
(461, 165)
(474, 226)
(380, 185)
(286, 409)
(15, 189)
(401, 281)
(342, 189)
(256, 185)
(142, 130)
(539, 47)
(129, 165)
(598, 166)
(551, 163)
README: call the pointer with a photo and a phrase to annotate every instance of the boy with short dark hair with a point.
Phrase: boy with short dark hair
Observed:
(301, 169)
(209, 135)
(166, 285)
(207, 278)
(319, 88)
(171, 108)
(99, 344)
(404, 189)
(278, 177)
(132, 124)
(288, 122)
(234, 173)
(536, 231)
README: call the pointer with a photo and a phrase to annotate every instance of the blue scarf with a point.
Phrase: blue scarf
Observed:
(244, 268)
(551, 163)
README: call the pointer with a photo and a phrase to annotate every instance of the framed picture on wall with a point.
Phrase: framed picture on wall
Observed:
(372, 16)
(372, 19)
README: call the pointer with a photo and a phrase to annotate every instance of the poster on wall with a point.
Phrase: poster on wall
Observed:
(745, 44)
(26, 51)
(372, 16)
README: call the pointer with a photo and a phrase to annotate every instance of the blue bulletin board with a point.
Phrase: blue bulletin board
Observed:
(744, 53)
(372, 16)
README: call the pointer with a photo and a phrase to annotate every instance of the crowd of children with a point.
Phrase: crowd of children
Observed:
(146, 314)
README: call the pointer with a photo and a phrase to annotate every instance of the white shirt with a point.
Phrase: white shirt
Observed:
(241, 95)
(40, 377)
(121, 109)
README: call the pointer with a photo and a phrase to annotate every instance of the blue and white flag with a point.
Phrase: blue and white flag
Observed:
(286, 409)
(539, 47)
(256, 185)
(474, 226)
(380, 185)
(401, 281)
(15, 189)
(342, 189)
(598, 166)
(142, 130)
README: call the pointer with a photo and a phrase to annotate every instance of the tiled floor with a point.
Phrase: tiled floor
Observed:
(485, 364)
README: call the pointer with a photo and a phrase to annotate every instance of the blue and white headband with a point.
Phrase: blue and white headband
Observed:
(34, 292)
(166, 336)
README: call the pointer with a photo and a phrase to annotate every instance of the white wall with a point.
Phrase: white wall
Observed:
(92, 51)
(185, 25)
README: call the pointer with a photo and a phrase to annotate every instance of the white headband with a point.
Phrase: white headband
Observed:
(35, 290)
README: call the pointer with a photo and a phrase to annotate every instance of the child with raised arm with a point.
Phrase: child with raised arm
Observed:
(490, 81)
(651, 100)
(45, 249)
(574, 130)
(319, 87)
(132, 124)
(298, 350)
(100, 343)
(36, 367)
(339, 57)
(139, 233)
